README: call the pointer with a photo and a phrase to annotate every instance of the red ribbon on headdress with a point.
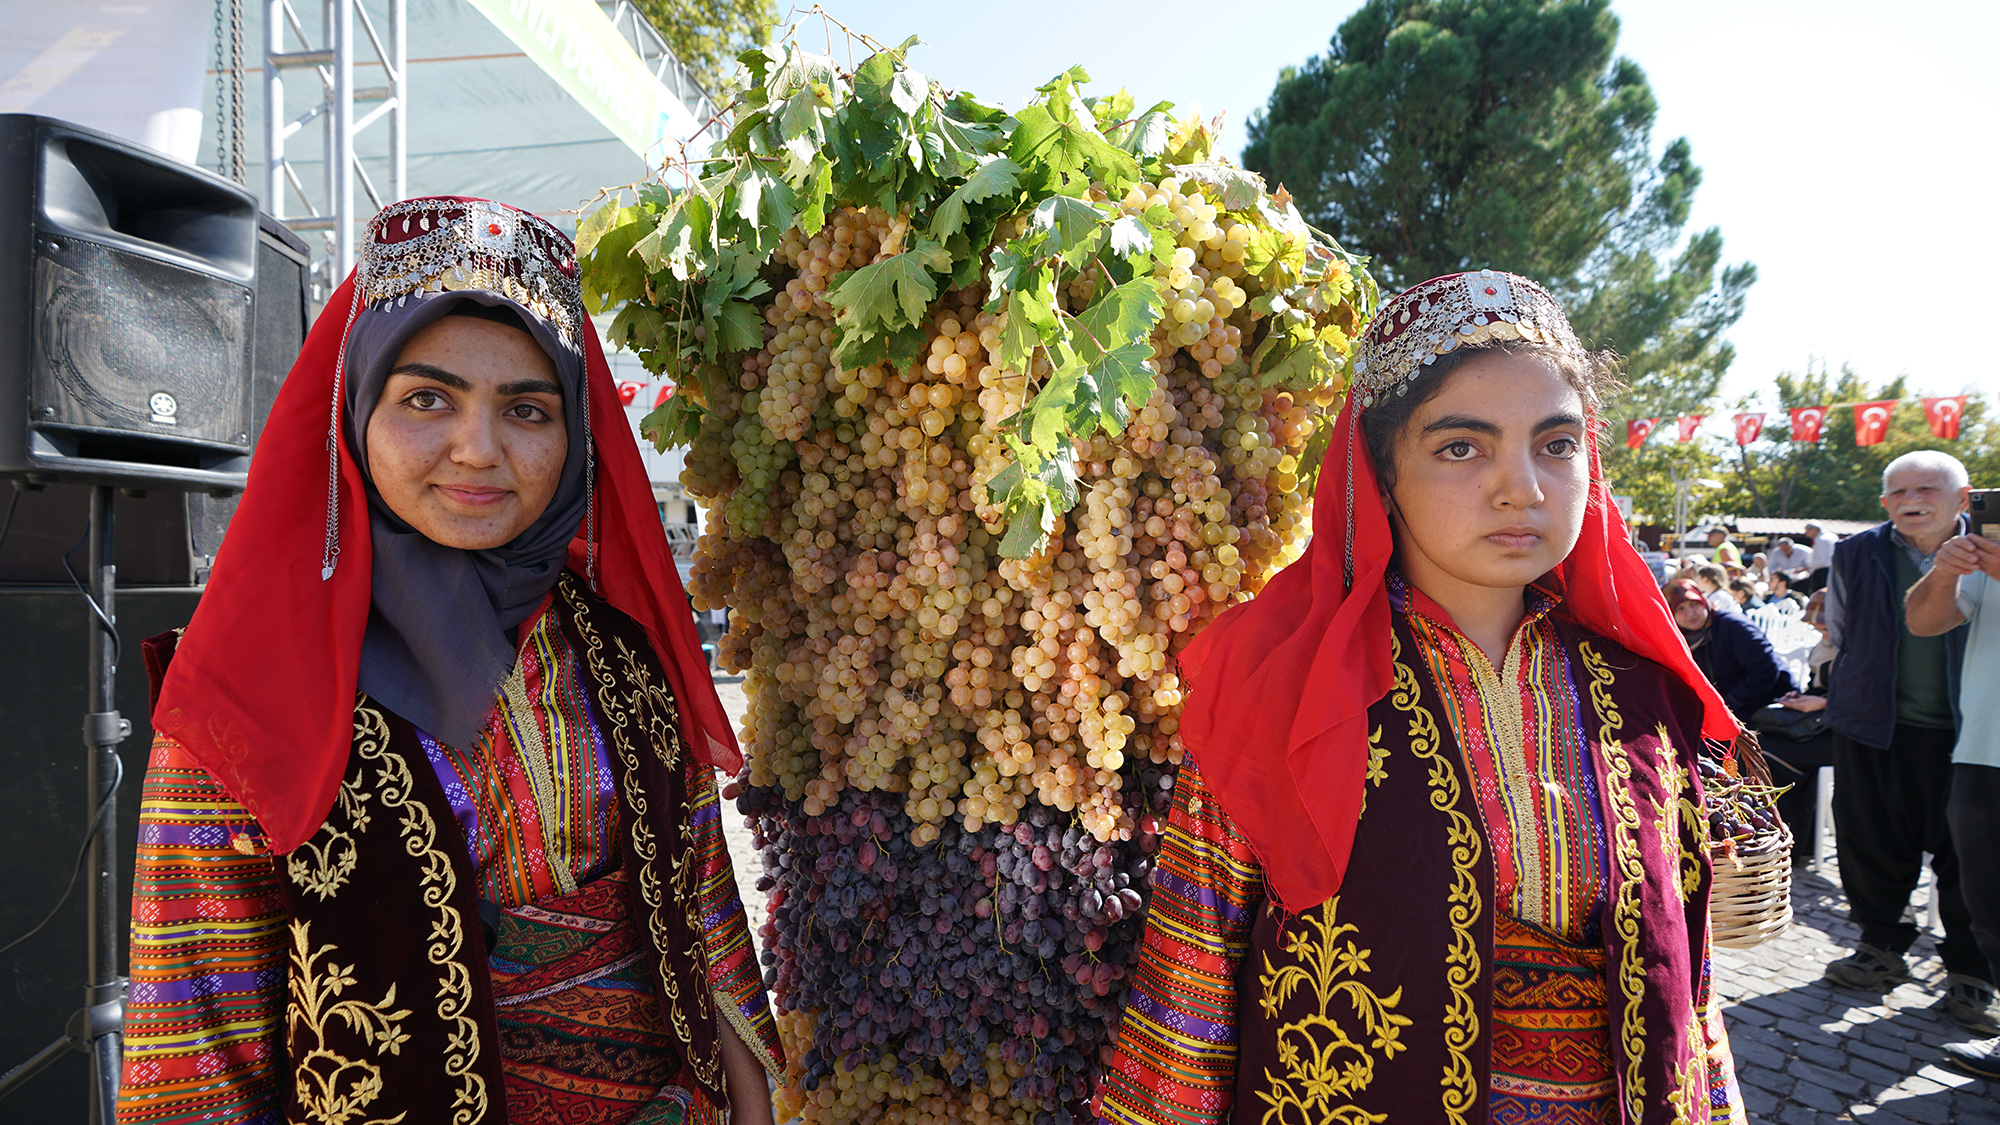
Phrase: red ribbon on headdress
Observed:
(1280, 686)
(261, 688)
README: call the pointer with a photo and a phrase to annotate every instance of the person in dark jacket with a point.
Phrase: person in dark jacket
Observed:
(1733, 653)
(1892, 701)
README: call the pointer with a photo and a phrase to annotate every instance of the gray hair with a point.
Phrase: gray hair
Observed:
(1928, 461)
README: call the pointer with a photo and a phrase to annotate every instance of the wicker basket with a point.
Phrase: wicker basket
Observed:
(1751, 901)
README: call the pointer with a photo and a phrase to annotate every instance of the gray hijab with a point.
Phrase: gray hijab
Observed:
(441, 620)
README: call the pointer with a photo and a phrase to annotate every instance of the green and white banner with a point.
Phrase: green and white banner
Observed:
(575, 42)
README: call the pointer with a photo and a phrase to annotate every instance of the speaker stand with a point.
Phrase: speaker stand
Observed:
(96, 1028)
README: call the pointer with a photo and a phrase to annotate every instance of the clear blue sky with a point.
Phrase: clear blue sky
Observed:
(1847, 146)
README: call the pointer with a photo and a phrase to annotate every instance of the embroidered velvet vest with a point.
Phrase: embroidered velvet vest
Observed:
(1379, 1000)
(390, 1014)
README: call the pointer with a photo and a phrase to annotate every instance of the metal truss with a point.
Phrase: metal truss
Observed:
(646, 42)
(332, 57)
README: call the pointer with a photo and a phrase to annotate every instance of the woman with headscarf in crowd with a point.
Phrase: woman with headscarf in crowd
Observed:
(430, 831)
(1436, 852)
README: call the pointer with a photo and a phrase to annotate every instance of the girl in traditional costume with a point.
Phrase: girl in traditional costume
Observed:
(430, 832)
(1437, 851)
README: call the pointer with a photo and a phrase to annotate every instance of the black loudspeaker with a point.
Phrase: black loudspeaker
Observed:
(167, 538)
(126, 319)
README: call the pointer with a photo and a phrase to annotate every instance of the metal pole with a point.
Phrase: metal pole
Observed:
(340, 161)
(103, 730)
(274, 109)
(399, 88)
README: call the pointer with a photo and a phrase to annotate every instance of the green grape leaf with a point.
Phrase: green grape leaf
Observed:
(800, 70)
(995, 175)
(595, 224)
(896, 290)
(1073, 222)
(1035, 300)
(898, 347)
(1120, 316)
(1029, 522)
(1054, 137)
(968, 136)
(1241, 189)
(611, 275)
(737, 328)
(873, 76)
(1010, 268)
(1018, 337)
(1148, 135)
(1124, 378)
(812, 203)
(1112, 108)
(676, 421)
(909, 91)
(1130, 236)
(1034, 499)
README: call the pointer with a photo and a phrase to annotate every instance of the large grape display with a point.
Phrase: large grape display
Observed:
(982, 440)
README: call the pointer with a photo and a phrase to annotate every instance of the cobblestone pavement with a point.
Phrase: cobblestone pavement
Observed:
(1806, 1052)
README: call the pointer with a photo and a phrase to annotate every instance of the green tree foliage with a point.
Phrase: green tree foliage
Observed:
(707, 35)
(1442, 135)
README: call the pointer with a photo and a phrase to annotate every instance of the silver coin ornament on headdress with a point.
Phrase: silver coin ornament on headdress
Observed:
(1447, 313)
(442, 245)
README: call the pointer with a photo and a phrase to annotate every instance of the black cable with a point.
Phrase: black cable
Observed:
(104, 804)
(7, 523)
(103, 618)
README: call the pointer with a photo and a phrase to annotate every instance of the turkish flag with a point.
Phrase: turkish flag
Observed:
(627, 391)
(1688, 423)
(1638, 430)
(1808, 422)
(1871, 421)
(1748, 426)
(1944, 415)
(666, 393)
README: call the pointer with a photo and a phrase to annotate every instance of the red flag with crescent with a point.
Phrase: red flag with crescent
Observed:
(628, 390)
(1687, 424)
(1638, 430)
(666, 393)
(1871, 421)
(1944, 415)
(1748, 426)
(1808, 422)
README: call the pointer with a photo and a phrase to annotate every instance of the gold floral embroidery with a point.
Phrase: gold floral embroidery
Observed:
(1329, 1064)
(628, 698)
(1463, 959)
(1679, 819)
(331, 1087)
(1631, 872)
(439, 882)
(333, 860)
(1376, 775)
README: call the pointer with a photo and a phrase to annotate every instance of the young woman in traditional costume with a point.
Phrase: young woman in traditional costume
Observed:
(430, 831)
(1437, 851)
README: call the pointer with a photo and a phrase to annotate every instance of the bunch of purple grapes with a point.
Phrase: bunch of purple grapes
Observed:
(1020, 935)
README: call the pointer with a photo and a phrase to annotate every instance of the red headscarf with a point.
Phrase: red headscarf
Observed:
(1281, 685)
(261, 688)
